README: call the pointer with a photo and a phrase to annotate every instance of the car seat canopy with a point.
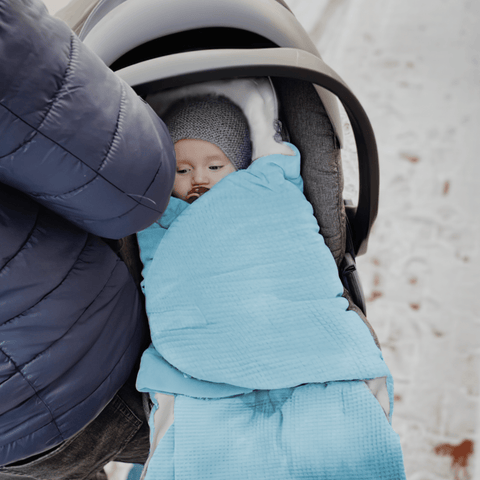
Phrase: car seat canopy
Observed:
(117, 26)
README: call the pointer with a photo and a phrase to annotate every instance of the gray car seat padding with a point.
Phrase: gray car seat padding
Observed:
(312, 133)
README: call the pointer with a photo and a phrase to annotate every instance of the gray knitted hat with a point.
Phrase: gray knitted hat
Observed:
(214, 119)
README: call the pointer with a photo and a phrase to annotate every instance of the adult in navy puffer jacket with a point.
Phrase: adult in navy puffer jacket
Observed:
(81, 157)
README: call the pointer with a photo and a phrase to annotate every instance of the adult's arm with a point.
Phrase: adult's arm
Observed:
(73, 135)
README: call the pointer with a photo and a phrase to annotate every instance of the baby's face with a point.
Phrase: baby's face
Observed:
(200, 165)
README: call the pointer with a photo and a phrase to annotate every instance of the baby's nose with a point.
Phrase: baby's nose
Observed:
(200, 177)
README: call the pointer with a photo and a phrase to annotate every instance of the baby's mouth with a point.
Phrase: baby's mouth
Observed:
(195, 193)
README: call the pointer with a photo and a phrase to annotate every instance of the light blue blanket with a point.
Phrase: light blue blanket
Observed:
(245, 307)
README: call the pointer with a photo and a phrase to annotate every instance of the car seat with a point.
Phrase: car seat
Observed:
(156, 45)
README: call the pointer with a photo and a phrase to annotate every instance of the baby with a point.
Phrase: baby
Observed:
(206, 154)
(257, 368)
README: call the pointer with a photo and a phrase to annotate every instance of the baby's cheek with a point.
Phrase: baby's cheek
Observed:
(177, 182)
(180, 187)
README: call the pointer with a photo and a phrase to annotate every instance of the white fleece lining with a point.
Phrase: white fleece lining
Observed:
(378, 386)
(255, 96)
(162, 421)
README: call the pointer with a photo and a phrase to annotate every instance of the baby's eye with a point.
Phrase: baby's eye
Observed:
(215, 167)
(182, 171)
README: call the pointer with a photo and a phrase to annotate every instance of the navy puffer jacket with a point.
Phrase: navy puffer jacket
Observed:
(81, 156)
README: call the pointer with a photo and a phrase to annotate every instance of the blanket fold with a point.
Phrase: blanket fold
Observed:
(253, 338)
(242, 290)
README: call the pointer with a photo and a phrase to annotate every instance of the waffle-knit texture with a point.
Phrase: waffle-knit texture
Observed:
(243, 299)
(214, 119)
(241, 288)
(333, 431)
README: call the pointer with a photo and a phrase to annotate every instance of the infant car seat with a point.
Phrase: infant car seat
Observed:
(162, 44)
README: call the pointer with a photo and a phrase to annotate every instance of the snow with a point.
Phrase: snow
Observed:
(415, 66)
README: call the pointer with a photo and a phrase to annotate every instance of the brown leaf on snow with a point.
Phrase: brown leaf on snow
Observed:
(460, 455)
(415, 306)
(375, 294)
(413, 281)
(446, 187)
(376, 280)
(411, 158)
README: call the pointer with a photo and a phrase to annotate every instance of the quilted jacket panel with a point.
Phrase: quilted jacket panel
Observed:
(81, 157)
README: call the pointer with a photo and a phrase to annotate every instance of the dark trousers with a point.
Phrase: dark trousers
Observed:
(119, 433)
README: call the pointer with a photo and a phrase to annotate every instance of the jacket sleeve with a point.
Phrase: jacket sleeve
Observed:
(73, 135)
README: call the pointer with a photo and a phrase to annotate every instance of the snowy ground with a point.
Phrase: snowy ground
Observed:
(415, 66)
